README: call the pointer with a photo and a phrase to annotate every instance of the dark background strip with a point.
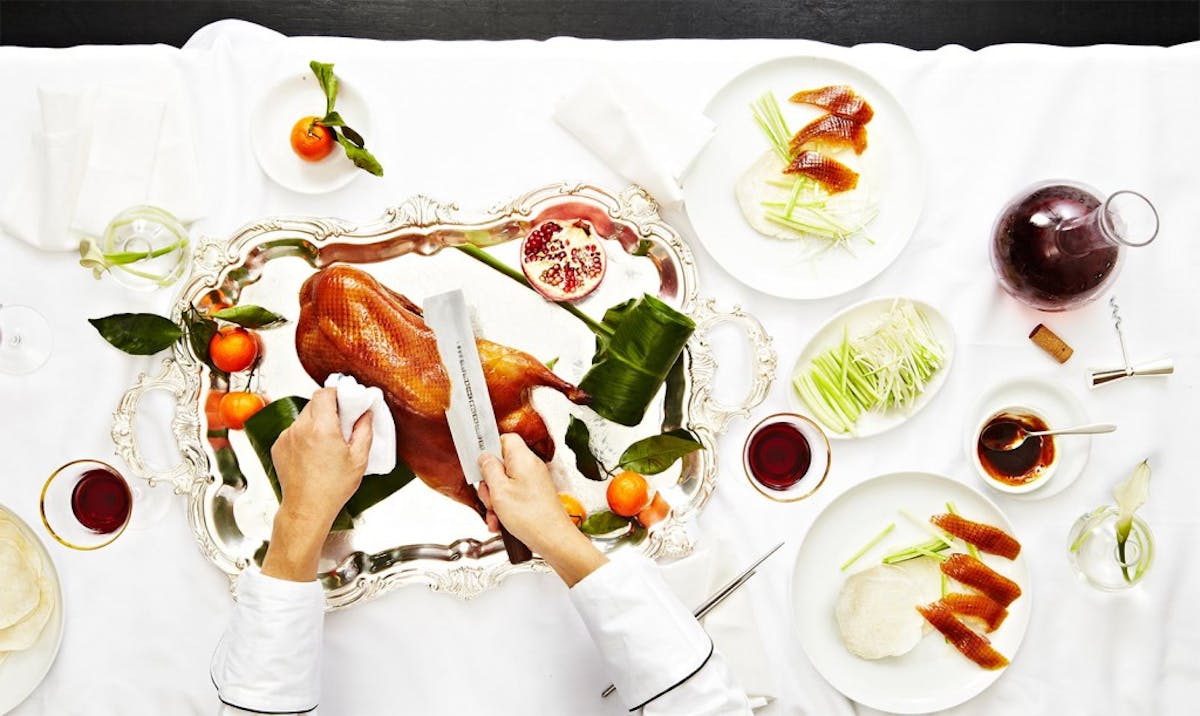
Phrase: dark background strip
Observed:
(918, 24)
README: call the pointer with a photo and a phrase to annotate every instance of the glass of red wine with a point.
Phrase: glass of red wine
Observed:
(786, 457)
(86, 504)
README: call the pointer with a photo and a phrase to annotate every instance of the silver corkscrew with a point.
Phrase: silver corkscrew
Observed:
(1098, 376)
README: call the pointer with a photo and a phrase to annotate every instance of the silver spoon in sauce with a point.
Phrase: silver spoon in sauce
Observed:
(1007, 435)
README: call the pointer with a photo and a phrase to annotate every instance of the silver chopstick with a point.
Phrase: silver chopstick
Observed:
(719, 596)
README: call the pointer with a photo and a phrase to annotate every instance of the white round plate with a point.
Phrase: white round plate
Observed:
(934, 675)
(858, 319)
(783, 267)
(271, 123)
(1059, 407)
(22, 671)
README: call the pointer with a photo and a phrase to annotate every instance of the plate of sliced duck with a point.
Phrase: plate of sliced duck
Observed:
(813, 182)
(911, 593)
(591, 331)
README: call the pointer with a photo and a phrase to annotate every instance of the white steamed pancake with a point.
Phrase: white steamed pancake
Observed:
(23, 632)
(876, 608)
(752, 188)
(18, 584)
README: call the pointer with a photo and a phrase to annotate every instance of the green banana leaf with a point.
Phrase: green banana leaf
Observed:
(632, 362)
(265, 427)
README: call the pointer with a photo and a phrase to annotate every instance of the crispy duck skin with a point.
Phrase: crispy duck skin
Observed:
(978, 606)
(841, 100)
(350, 323)
(831, 131)
(975, 647)
(982, 578)
(830, 173)
(992, 540)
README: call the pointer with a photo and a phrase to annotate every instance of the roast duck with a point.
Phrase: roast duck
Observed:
(351, 324)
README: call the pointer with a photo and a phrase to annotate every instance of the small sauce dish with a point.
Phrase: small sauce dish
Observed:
(1022, 469)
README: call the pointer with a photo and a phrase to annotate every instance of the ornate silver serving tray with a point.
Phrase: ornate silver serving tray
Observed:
(417, 536)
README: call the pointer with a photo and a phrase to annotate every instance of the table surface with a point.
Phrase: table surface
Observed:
(143, 615)
(919, 24)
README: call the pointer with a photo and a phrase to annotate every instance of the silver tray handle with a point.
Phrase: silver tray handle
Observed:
(705, 408)
(172, 378)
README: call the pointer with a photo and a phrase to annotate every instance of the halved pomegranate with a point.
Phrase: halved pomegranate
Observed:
(563, 260)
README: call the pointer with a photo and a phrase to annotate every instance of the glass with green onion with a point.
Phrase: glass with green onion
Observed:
(1097, 557)
(143, 248)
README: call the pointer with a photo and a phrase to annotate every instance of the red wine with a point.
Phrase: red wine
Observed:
(101, 501)
(779, 455)
(1048, 251)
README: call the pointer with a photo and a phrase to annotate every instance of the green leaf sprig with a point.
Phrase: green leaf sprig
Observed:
(139, 334)
(145, 334)
(648, 456)
(578, 439)
(352, 142)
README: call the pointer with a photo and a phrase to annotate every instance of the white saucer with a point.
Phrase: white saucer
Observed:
(1058, 406)
(271, 123)
(22, 671)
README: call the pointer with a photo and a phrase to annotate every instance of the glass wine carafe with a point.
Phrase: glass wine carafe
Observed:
(1058, 244)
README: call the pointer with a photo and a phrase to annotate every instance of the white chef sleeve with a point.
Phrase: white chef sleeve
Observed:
(269, 659)
(657, 654)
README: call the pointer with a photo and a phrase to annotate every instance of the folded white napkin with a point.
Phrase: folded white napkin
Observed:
(646, 142)
(353, 400)
(98, 152)
(732, 625)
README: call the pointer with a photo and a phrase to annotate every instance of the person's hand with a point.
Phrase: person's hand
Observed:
(520, 494)
(318, 471)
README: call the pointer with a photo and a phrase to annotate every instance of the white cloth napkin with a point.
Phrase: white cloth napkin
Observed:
(646, 142)
(353, 400)
(98, 152)
(732, 625)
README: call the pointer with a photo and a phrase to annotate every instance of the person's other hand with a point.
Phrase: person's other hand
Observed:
(318, 471)
(520, 494)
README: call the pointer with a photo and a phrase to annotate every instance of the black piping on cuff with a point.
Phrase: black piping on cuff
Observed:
(257, 711)
(676, 685)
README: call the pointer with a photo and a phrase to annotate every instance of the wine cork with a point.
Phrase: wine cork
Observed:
(1049, 341)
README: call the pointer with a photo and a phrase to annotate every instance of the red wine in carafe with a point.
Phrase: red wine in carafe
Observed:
(1046, 251)
(101, 501)
(779, 455)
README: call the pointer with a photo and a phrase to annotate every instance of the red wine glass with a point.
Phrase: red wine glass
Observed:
(86, 504)
(786, 457)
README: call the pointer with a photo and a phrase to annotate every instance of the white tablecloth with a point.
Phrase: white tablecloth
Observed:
(470, 122)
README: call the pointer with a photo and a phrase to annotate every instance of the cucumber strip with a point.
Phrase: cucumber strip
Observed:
(867, 547)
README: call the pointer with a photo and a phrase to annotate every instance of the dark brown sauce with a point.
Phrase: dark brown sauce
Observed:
(1024, 464)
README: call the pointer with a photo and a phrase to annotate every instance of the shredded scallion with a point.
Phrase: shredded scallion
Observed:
(887, 367)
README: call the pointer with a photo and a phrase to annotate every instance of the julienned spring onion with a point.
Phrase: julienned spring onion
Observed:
(867, 547)
(916, 550)
(887, 367)
(809, 209)
(770, 119)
